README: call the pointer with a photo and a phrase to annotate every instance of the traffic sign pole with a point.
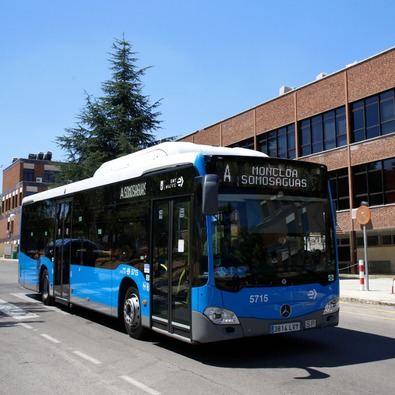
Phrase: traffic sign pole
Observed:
(363, 217)
(365, 256)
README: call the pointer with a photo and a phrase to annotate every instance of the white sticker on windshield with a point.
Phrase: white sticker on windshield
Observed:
(181, 245)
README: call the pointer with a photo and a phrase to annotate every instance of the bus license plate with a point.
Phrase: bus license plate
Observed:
(288, 327)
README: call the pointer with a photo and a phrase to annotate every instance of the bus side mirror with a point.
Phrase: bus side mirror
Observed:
(210, 194)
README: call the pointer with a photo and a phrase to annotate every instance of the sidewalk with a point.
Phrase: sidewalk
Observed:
(379, 291)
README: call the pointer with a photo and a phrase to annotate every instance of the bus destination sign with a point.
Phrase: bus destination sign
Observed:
(270, 174)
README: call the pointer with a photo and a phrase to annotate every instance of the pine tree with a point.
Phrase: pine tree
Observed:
(118, 123)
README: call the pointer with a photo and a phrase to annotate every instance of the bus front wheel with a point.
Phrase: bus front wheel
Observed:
(132, 313)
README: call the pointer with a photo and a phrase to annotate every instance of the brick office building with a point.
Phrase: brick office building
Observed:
(22, 178)
(345, 120)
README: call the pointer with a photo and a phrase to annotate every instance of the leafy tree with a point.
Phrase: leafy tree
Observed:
(118, 123)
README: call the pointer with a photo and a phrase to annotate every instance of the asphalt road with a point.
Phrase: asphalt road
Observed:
(54, 350)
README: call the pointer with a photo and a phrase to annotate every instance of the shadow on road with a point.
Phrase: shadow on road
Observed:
(332, 347)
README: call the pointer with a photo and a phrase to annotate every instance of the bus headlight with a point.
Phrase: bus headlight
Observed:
(221, 316)
(332, 306)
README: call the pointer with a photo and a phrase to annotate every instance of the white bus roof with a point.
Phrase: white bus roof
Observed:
(136, 164)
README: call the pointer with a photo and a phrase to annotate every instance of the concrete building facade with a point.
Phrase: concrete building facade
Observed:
(345, 120)
(22, 178)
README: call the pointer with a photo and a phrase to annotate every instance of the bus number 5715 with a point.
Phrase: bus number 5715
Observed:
(261, 298)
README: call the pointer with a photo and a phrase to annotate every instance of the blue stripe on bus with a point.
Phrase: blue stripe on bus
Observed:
(265, 303)
(97, 285)
(333, 221)
(101, 286)
(199, 164)
(30, 269)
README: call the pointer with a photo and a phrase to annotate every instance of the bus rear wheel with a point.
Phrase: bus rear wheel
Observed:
(44, 288)
(132, 313)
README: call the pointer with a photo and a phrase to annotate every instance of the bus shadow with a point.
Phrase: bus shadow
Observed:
(333, 347)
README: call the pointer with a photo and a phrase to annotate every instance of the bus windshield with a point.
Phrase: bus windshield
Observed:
(266, 240)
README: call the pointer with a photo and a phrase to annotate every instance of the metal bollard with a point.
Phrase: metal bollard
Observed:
(393, 286)
(361, 266)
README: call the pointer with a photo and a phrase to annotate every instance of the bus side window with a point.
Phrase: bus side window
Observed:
(131, 233)
(76, 252)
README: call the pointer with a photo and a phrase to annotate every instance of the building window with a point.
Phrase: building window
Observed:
(343, 248)
(389, 180)
(339, 186)
(374, 182)
(388, 239)
(279, 143)
(247, 143)
(28, 175)
(377, 239)
(49, 176)
(373, 116)
(368, 184)
(323, 132)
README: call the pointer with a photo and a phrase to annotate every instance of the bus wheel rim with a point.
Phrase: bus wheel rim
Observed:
(131, 311)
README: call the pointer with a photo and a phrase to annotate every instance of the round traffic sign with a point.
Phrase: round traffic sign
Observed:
(363, 215)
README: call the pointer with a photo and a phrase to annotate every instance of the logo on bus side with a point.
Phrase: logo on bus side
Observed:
(132, 191)
(176, 182)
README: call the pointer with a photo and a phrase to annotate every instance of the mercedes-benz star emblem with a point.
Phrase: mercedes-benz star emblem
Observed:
(285, 310)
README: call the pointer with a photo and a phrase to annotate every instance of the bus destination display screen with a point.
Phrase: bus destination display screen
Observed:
(268, 174)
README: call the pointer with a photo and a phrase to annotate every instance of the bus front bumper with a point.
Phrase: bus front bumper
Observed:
(204, 331)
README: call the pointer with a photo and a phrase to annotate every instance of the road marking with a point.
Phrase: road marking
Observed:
(27, 326)
(142, 386)
(15, 312)
(87, 357)
(50, 338)
(23, 296)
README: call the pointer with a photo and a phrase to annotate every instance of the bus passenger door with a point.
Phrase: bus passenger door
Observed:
(62, 251)
(171, 259)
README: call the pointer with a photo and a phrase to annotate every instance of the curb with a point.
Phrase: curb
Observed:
(5, 260)
(366, 301)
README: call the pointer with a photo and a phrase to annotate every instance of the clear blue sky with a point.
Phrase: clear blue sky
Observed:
(210, 59)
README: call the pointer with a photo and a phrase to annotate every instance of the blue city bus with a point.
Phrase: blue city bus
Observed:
(196, 242)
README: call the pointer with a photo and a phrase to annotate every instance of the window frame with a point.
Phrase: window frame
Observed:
(364, 106)
(287, 133)
(312, 143)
